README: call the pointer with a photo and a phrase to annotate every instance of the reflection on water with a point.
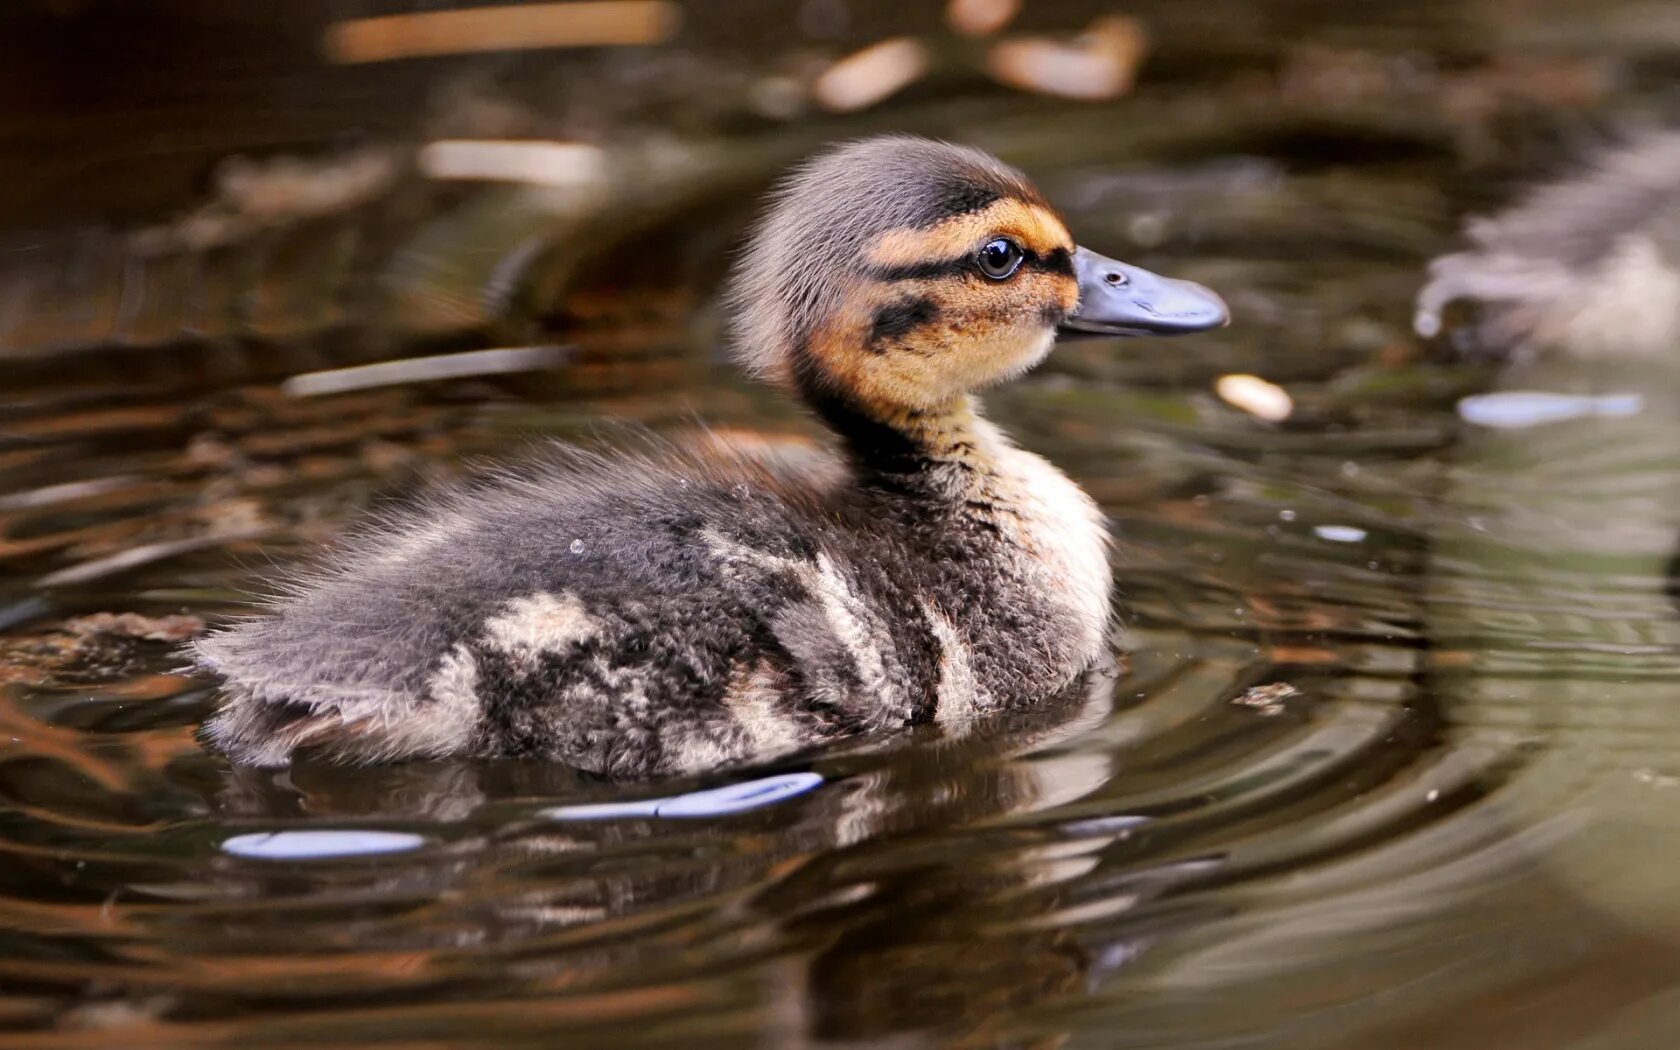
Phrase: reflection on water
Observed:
(1389, 757)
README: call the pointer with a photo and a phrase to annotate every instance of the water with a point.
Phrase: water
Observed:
(1390, 755)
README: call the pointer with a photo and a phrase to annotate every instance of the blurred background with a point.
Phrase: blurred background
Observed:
(1391, 755)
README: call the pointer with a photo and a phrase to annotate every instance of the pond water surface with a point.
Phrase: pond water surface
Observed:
(1389, 756)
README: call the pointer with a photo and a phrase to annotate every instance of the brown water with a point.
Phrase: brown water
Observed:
(1391, 758)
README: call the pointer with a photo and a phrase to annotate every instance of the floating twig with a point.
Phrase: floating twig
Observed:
(521, 27)
(499, 361)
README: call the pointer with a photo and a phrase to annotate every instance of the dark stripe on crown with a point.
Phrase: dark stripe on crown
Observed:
(949, 199)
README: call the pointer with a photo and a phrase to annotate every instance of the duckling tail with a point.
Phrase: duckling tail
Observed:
(270, 709)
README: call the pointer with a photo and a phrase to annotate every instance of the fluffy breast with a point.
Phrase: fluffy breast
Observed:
(1066, 540)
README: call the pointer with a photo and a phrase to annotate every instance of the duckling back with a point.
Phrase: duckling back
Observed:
(631, 616)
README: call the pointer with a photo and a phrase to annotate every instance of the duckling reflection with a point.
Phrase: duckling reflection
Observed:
(1550, 608)
(842, 902)
(1588, 264)
(675, 611)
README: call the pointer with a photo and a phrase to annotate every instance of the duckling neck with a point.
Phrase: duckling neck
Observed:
(950, 469)
(937, 450)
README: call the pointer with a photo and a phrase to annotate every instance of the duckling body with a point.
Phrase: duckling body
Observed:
(1588, 264)
(672, 611)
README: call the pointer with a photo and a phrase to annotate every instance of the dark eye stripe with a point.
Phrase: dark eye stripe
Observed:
(1057, 260)
(962, 264)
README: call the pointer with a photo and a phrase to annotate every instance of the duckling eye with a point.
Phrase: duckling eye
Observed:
(999, 258)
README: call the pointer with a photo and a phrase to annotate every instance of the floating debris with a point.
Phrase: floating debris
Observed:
(716, 802)
(534, 163)
(172, 628)
(282, 188)
(1339, 533)
(257, 194)
(513, 27)
(320, 845)
(1655, 779)
(1521, 409)
(1256, 396)
(427, 369)
(1102, 62)
(980, 17)
(136, 557)
(779, 97)
(103, 645)
(1267, 699)
(65, 492)
(866, 77)
(1120, 825)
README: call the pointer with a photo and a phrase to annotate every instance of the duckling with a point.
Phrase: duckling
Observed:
(667, 610)
(1589, 265)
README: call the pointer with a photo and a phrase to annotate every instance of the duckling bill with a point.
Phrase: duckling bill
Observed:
(668, 610)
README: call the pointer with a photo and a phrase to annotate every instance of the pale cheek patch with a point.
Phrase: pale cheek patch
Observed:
(969, 360)
(1031, 356)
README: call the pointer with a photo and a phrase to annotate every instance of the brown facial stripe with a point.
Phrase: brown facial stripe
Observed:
(1032, 226)
(1056, 261)
(897, 319)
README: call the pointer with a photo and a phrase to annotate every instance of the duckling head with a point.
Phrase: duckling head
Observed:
(900, 273)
